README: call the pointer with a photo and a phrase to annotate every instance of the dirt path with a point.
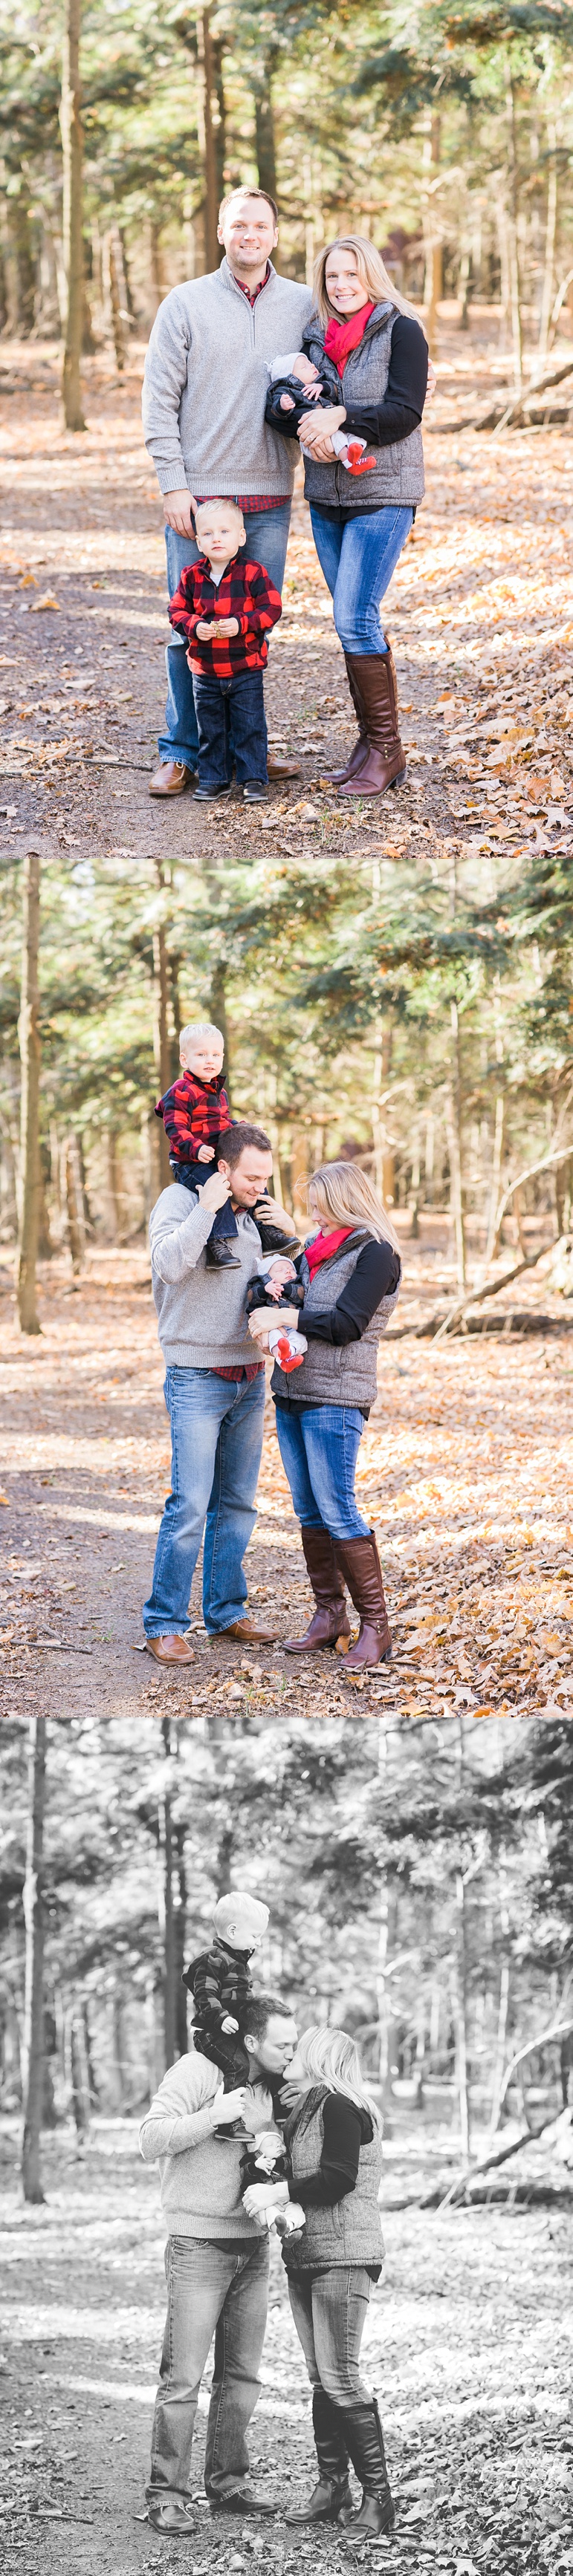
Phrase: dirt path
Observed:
(468, 2343)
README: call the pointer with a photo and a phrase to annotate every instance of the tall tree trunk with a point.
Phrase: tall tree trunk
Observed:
(461, 2015)
(208, 121)
(74, 1206)
(34, 1985)
(550, 232)
(117, 322)
(167, 1906)
(72, 148)
(434, 278)
(512, 243)
(161, 1026)
(29, 1037)
(503, 2005)
(156, 263)
(19, 213)
(265, 125)
(455, 1149)
(218, 1010)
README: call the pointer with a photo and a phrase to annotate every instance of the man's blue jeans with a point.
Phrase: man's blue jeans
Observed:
(216, 1442)
(358, 561)
(230, 718)
(267, 535)
(330, 2310)
(319, 1447)
(215, 2290)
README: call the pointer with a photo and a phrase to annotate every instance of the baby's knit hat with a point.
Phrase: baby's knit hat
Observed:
(240, 1919)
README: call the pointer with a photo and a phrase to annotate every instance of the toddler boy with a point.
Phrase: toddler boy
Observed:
(196, 1116)
(226, 608)
(220, 1984)
(275, 1281)
(287, 375)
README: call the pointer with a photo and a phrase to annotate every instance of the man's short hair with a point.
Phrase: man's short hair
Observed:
(233, 1142)
(246, 191)
(259, 2013)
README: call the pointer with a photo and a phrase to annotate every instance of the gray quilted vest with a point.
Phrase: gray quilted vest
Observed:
(349, 2231)
(399, 475)
(328, 1375)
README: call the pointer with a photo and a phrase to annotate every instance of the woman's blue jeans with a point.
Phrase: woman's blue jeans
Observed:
(358, 561)
(330, 2310)
(267, 536)
(319, 1447)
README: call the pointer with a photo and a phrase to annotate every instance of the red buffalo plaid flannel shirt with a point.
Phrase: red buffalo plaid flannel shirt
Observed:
(244, 591)
(194, 1113)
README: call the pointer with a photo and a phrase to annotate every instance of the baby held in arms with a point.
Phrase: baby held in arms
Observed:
(287, 375)
(275, 1282)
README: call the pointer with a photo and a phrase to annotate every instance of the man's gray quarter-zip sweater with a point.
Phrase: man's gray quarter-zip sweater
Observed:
(206, 384)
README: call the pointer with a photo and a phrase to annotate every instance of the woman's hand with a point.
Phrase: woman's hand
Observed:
(271, 1214)
(262, 2196)
(268, 1319)
(315, 431)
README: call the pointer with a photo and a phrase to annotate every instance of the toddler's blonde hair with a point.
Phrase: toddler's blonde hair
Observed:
(199, 1029)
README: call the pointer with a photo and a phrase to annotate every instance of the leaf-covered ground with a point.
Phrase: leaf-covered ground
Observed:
(468, 2344)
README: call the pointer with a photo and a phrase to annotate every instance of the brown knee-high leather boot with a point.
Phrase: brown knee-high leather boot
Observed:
(330, 1620)
(385, 761)
(359, 748)
(360, 1565)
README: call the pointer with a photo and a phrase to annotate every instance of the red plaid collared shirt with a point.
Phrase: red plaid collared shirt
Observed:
(194, 1113)
(244, 591)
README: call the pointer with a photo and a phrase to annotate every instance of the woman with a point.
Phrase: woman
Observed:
(370, 349)
(351, 1271)
(333, 2138)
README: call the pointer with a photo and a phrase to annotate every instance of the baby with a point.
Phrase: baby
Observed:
(287, 375)
(264, 2160)
(275, 1282)
(220, 1984)
(196, 1116)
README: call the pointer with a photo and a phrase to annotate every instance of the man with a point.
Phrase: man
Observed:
(215, 1396)
(204, 394)
(216, 2265)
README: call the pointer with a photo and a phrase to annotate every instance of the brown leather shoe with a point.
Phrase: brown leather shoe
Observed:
(360, 748)
(170, 1650)
(247, 1633)
(171, 778)
(277, 768)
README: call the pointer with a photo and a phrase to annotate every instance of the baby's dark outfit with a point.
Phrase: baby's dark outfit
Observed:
(292, 1294)
(302, 398)
(219, 1982)
(197, 1113)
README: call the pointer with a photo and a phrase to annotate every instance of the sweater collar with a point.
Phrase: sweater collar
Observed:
(227, 279)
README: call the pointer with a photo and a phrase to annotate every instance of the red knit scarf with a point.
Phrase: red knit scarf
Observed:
(341, 337)
(324, 1245)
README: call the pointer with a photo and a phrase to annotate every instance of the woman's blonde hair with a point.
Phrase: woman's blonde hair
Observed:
(331, 2057)
(343, 1193)
(375, 279)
